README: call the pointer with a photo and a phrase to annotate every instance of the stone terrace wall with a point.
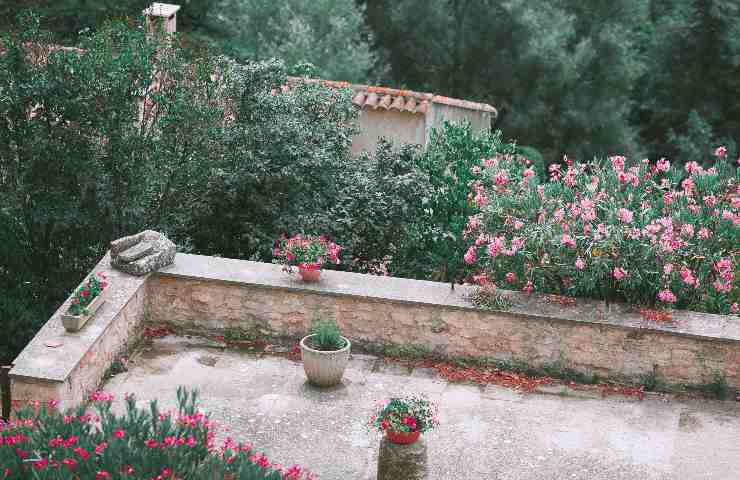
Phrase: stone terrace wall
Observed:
(214, 294)
(68, 366)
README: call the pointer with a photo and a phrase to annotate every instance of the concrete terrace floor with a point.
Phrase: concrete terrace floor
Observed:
(487, 432)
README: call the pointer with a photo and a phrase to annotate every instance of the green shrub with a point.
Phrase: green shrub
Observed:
(79, 165)
(436, 235)
(379, 196)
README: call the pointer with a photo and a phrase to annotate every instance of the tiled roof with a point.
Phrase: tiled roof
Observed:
(367, 96)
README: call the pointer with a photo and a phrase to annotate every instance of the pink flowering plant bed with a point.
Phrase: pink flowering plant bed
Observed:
(646, 233)
(413, 414)
(43, 443)
(306, 252)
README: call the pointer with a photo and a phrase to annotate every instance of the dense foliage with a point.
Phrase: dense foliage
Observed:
(44, 443)
(577, 78)
(214, 153)
(646, 233)
(648, 78)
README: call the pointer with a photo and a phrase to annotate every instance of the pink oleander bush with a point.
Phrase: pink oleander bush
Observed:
(142, 444)
(307, 252)
(646, 233)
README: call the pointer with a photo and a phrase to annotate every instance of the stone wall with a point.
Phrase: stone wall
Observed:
(586, 337)
(217, 295)
(68, 366)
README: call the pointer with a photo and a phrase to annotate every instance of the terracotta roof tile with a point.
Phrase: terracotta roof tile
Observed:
(368, 96)
(399, 103)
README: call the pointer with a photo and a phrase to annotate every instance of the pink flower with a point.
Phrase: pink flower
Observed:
(663, 165)
(666, 296)
(580, 264)
(668, 268)
(704, 233)
(624, 215)
(481, 239)
(720, 151)
(692, 167)
(102, 475)
(529, 287)
(687, 230)
(688, 277)
(734, 308)
(511, 277)
(151, 443)
(618, 163)
(668, 198)
(470, 256)
(410, 422)
(495, 247)
(722, 287)
(568, 241)
(490, 162)
(70, 463)
(100, 448)
(710, 201)
(475, 170)
(82, 453)
(722, 264)
(260, 459)
(119, 433)
(619, 273)
(518, 225)
(502, 178)
(481, 199)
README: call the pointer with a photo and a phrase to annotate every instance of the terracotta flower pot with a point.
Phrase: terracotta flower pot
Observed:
(402, 438)
(324, 368)
(73, 323)
(309, 275)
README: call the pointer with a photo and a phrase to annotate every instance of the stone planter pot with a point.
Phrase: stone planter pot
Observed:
(73, 323)
(309, 275)
(402, 438)
(324, 368)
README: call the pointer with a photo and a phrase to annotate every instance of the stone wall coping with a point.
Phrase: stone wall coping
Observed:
(389, 289)
(41, 362)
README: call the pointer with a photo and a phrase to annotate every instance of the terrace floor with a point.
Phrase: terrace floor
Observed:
(486, 432)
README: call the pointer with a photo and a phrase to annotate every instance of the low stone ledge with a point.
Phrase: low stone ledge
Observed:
(66, 366)
(390, 289)
(219, 294)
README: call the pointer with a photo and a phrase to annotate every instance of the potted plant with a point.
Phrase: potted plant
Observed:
(307, 253)
(86, 300)
(404, 419)
(325, 354)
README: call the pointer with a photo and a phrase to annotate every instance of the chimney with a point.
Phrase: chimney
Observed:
(161, 17)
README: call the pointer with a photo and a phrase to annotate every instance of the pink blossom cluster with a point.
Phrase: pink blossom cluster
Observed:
(647, 232)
